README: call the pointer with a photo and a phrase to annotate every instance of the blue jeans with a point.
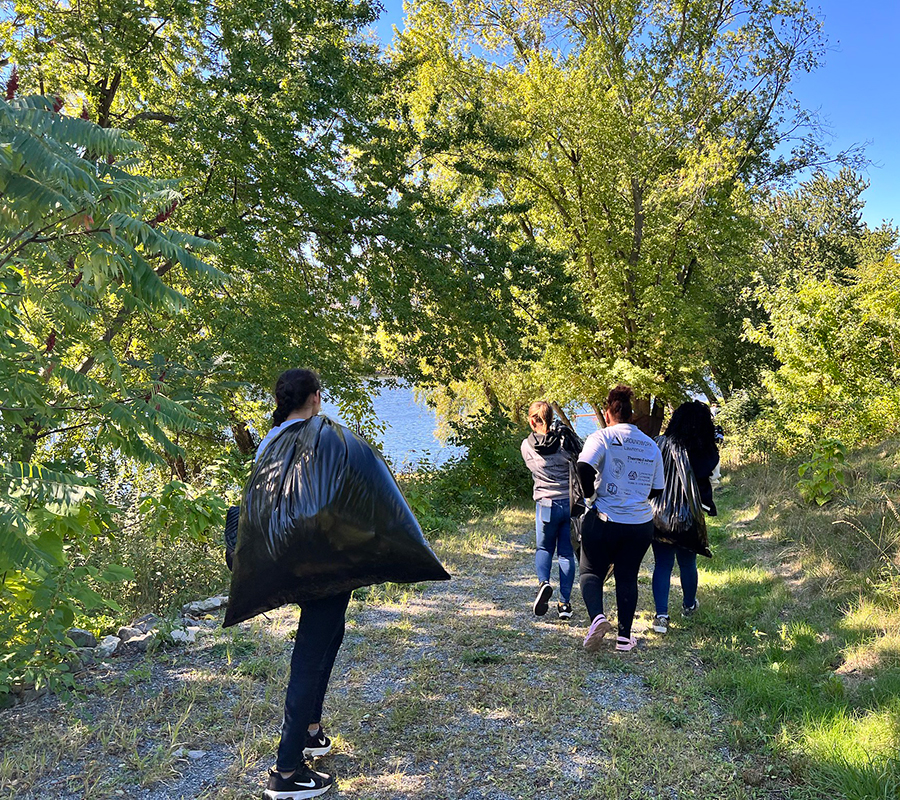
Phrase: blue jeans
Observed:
(664, 555)
(552, 526)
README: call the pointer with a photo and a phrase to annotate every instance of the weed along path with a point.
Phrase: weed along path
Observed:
(450, 691)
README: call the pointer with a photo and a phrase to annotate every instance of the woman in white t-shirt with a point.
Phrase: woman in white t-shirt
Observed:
(623, 468)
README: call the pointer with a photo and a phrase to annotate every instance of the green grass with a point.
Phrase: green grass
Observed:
(786, 683)
(799, 630)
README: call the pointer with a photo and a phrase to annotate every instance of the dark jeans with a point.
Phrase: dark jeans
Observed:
(623, 546)
(664, 556)
(552, 528)
(319, 637)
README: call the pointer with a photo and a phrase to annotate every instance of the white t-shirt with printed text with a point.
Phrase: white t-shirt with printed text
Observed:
(628, 465)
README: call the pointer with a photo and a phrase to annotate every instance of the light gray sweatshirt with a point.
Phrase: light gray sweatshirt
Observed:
(549, 470)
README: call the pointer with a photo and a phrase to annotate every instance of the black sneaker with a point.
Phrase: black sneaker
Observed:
(542, 600)
(564, 610)
(317, 745)
(302, 784)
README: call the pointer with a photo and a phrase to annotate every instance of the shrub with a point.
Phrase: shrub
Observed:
(493, 458)
(823, 475)
(490, 474)
(170, 541)
(738, 413)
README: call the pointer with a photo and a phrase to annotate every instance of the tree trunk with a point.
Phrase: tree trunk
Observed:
(242, 438)
(490, 396)
(648, 415)
(598, 413)
(711, 396)
(180, 469)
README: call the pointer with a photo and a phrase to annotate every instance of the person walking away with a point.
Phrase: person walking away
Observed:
(313, 488)
(549, 451)
(692, 429)
(624, 467)
(319, 636)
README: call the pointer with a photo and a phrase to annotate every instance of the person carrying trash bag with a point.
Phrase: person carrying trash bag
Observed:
(320, 516)
(549, 453)
(690, 456)
(624, 467)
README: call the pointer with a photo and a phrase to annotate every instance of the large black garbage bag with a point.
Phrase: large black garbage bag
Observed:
(677, 513)
(322, 514)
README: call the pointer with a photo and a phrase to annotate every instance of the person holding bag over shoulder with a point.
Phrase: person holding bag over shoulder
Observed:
(690, 456)
(549, 453)
(320, 516)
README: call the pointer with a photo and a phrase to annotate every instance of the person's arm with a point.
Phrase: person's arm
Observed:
(588, 477)
(659, 479)
(526, 451)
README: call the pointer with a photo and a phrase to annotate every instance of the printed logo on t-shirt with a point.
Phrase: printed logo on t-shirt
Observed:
(632, 476)
(618, 466)
(611, 488)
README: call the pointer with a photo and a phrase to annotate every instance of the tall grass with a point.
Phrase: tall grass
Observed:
(805, 641)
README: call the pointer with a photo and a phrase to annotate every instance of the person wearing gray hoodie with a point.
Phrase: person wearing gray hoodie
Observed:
(548, 452)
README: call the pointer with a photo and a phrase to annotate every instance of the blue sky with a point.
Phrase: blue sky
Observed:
(857, 91)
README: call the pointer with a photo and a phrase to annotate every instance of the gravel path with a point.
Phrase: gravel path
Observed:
(457, 692)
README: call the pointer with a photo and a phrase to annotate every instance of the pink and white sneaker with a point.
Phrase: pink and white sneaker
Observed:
(599, 628)
(624, 644)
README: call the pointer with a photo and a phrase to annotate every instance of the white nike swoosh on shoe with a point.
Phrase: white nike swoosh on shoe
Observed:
(305, 785)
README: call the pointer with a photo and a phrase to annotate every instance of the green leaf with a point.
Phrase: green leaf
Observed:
(115, 573)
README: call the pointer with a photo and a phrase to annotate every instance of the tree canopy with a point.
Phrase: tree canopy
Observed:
(544, 197)
(636, 138)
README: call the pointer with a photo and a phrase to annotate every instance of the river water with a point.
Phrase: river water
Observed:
(409, 438)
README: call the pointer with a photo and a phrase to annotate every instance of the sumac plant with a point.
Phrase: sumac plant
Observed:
(82, 252)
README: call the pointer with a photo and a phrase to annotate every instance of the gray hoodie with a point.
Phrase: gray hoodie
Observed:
(548, 457)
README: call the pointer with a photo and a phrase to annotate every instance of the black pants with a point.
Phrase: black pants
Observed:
(623, 546)
(319, 637)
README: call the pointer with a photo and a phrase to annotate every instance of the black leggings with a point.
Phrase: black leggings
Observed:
(623, 546)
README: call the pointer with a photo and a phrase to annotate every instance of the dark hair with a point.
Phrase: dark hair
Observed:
(618, 403)
(692, 426)
(292, 389)
(542, 410)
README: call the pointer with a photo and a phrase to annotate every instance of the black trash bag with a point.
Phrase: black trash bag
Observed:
(231, 530)
(322, 514)
(677, 513)
(577, 507)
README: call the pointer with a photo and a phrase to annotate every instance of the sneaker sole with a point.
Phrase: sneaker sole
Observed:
(542, 601)
(595, 640)
(315, 752)
(564, 615)
(302, 794)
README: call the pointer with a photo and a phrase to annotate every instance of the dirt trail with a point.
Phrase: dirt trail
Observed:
(458, 692)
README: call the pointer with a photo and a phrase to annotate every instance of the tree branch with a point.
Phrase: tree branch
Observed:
(155, 116)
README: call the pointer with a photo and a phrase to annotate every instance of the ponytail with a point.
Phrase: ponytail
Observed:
(292, 390)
